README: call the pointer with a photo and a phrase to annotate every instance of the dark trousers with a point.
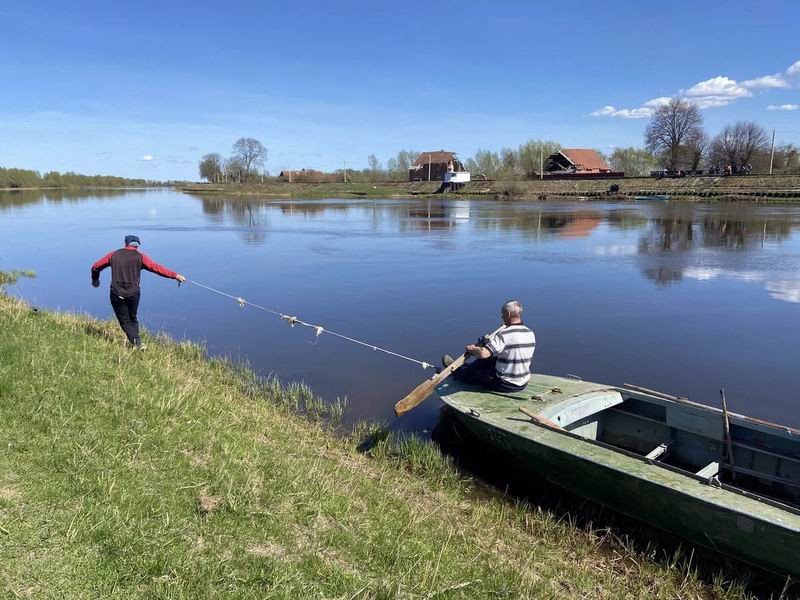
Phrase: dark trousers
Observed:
(482, 372)
(125, 309)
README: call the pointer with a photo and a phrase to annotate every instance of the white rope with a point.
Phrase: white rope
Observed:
(318, 329)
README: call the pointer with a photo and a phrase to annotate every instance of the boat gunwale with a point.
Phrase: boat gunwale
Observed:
(774, 503)
(792, 431)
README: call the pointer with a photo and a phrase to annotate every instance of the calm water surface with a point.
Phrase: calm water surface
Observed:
(682, 298)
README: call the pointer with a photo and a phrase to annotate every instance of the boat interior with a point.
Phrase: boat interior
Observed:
(754, 456)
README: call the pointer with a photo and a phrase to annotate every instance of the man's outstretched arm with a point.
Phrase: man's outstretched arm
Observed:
(150, 265)
(99, 266)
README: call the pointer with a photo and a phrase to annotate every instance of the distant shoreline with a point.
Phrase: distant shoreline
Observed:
(767, 188)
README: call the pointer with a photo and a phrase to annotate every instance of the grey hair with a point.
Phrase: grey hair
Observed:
(512, 308)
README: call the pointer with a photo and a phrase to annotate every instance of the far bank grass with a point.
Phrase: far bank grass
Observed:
(167, 475)
(755, 188)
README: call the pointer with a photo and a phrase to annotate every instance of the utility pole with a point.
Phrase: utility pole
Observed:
(430, 156)
(772, 153)
(541, 162)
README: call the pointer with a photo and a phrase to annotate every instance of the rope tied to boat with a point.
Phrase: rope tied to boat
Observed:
(318, 329)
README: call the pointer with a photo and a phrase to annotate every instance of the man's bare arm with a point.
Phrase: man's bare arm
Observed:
(478, 351)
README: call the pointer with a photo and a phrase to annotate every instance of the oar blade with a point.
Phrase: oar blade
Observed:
(426, 388)
(422, 391)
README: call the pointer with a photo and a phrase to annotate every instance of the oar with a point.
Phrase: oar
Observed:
(425, 389)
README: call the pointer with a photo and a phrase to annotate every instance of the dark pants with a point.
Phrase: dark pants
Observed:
(482, 372)
(125, 309)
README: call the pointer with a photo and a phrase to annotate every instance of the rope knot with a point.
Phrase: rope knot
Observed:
(241, 301)
(289, 319)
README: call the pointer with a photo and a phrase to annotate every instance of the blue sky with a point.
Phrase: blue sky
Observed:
(144, 89)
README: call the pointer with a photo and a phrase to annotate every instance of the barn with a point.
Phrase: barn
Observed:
(577, 160)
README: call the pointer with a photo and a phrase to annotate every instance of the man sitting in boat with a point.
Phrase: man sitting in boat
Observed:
(503, 360)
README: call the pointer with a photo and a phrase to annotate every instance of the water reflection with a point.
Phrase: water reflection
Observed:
(10, 199)
(674, 243)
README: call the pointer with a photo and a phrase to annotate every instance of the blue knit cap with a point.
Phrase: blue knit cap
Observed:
(132, 240)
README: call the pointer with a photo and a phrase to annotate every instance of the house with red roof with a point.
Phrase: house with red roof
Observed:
(579, 161)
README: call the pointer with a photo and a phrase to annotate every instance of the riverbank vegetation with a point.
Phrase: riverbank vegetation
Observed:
(167, 474)
(26, 178)
(752, 188)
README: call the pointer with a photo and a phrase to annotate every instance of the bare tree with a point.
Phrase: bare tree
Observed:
(696, 149)
(399, 165)
(250, 152)
(510, 161)
(210, 166)
(670, 127)
(235, 169)
(737, 144)
(531, 153)
(375, 168)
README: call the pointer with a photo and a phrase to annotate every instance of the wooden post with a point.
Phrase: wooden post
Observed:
(772, 153)
(429, 166)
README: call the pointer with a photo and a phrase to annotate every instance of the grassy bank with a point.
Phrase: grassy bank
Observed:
(775, 188)
(166, 474)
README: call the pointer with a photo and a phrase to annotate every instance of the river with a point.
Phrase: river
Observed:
(684, 298)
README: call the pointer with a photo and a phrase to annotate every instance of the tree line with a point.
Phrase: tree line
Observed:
(26, 178)
(674, 140)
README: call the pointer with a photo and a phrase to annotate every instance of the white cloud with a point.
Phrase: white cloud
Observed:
(767, 82)
(784, 107)
(717, 87)
(625, 113)
(147, 158)
(710, 93)
(656, 102)
(712, 101)
(606, 111)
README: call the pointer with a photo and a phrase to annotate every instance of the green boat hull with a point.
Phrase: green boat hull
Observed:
(736, 525)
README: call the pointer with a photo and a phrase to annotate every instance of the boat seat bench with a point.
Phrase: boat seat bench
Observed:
(659, 451)
(709, 471)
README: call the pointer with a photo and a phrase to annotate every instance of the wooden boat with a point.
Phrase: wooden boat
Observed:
(652, 197)
(660, 459)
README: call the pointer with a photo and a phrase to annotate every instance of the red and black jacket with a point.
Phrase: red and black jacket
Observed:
(126, 270)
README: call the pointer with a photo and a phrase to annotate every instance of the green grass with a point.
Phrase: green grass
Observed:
(164, 474)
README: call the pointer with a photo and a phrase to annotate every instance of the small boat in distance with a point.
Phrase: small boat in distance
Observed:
(718, 479)
(652, 197)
